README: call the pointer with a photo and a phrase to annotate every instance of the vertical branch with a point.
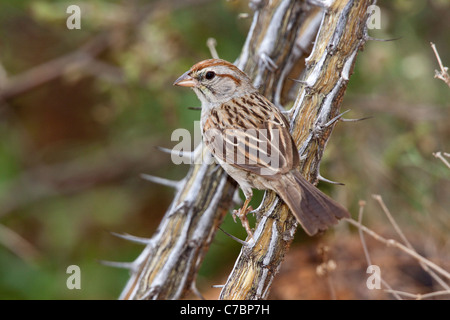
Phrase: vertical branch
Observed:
(342, 34)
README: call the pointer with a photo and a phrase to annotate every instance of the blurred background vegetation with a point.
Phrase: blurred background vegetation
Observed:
(76, 133)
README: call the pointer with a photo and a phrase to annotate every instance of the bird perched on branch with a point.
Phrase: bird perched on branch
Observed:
(250, 138)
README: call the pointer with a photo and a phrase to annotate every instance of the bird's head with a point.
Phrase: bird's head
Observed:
(216, 81)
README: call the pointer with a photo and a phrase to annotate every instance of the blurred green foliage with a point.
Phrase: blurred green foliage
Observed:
(72, 149)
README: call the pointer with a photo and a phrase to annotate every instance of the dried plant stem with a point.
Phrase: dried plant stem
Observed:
(398, 245)
(443, 73)
(362, 204)
(397, 229)
(419, 296)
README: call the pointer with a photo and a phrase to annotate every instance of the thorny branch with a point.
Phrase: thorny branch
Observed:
(362, 204)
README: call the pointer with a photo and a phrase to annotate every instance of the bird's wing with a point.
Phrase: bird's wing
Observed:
(251, 134)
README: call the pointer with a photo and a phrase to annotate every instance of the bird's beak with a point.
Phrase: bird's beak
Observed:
(185, 81)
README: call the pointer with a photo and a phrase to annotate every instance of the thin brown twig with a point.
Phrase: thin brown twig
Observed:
(443, 74)
(397, 229)
(362, 204)
(420, 296)
(398, 245)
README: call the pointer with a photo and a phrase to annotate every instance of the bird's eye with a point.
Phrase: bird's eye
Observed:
(209, 75)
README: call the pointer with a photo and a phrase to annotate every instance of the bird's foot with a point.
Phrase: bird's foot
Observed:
(242, 215)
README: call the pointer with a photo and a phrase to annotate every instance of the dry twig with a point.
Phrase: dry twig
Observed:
(441, 157)
(398, 245)
(17, 244)
(435, 271)
(405, 240)
(362, 204)
(443, 73)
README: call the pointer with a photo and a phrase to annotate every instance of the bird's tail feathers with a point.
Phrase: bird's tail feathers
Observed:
(313, 209)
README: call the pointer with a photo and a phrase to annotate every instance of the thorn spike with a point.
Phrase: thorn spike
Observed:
(165, 182)
(382, 40)
(132, 238)
(355, 120)
(189, 155)
(244, 243)
(115, 264)
(329, 123)
(330, 181)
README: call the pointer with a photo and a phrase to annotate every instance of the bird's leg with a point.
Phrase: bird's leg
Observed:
(242, 215)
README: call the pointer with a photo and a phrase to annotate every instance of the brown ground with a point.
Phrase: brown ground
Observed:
(299, 276)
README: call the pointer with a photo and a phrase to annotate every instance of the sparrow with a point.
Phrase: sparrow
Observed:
(250, 138)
